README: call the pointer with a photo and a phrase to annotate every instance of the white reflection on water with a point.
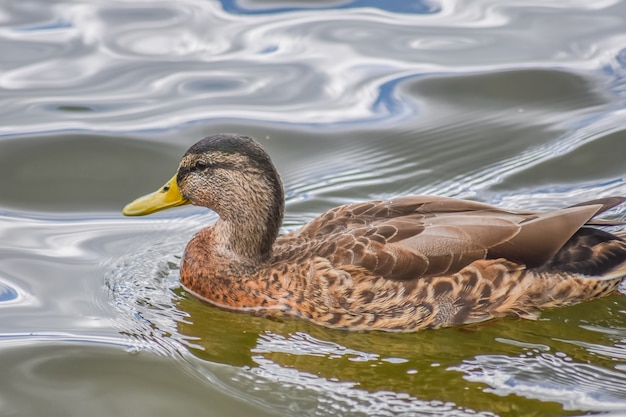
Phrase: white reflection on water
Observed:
(304, 344)
(345, 398)
(549, 377)
(29, 339)
(295, 66)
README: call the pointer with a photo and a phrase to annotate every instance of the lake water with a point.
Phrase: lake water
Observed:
(517, 103)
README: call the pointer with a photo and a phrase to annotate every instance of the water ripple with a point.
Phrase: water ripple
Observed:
(549, 377)
(499, 174)
(302, 343)
(72, 241)
(244, 60)
(343, 398)
(140, 283)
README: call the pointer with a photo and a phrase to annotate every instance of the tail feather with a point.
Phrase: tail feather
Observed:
(595, 252)
(591, 252)
(543, 235)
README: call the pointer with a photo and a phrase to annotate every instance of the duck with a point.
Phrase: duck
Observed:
(402, 264)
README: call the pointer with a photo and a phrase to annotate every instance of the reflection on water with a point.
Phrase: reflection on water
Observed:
(519, 104)
(9, 294)
(550, 377)
(366, 373)
(135, 66)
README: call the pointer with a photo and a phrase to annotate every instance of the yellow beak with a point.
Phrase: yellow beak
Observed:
(167, 196)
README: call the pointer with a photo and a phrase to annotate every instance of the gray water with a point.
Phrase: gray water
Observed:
(518, 103)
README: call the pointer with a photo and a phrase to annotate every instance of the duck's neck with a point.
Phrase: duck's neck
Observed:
(248, 228)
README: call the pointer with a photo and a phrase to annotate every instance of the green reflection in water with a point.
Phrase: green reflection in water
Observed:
(421, 364)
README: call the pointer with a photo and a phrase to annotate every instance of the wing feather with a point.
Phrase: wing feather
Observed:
(418, 236)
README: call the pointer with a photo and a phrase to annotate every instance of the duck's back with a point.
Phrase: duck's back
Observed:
(417, 262)
(421, 236)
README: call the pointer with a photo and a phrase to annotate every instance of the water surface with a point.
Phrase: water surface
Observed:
(516, 104)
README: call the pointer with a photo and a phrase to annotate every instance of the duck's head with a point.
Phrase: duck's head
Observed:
(228, 173)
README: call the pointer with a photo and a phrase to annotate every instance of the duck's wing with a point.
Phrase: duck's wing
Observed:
(416, 236)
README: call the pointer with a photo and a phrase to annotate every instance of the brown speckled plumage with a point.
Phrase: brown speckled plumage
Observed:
(404, 264)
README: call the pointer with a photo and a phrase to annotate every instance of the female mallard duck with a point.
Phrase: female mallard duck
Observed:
(404, 264)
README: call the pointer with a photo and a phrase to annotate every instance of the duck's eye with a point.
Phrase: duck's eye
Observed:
(200, 165)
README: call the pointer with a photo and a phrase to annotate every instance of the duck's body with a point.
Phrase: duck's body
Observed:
(404, 264)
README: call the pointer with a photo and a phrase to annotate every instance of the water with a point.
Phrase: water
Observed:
(518, 104)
